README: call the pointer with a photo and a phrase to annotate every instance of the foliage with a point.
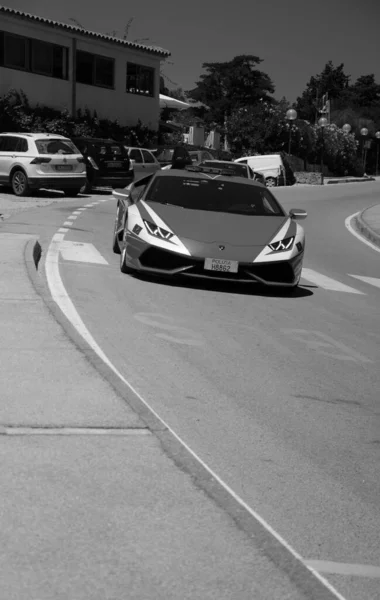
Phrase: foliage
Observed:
(226, 87)
(16, 114)
(340, 149)
(332, 80)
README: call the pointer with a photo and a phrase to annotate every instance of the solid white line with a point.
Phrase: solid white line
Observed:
(63, 300)
(326, 566)
(327, 283)
(350, 228)
(375, 281)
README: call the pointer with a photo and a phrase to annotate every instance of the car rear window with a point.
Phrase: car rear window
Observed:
(109, 149)
(214, 195)
(56, 146)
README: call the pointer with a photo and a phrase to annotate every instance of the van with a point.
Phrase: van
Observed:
(274, 167)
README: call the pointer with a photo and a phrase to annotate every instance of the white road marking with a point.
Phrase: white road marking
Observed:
(73, 431)
(348, 224)
(326, 345)
(80, 210)
(326, 566)
(62, 230)
(81, 252)
(327, 283)
(64, 302)
(73, 217)
(89, 205)
(375, 281)
(68, 223)
(76, 212)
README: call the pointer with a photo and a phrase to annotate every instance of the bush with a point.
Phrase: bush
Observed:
(16, 114)
(308, 178)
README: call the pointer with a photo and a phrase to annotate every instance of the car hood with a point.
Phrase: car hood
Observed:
(208, 227)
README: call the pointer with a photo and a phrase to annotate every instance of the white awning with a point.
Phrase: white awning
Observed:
(168, 102)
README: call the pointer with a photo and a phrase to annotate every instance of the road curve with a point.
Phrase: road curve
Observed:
(278, 395)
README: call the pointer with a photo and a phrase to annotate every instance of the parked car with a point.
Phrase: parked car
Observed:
(239, 169)
(143, 160)
(107, 163)
(274, 167)
(31, 161)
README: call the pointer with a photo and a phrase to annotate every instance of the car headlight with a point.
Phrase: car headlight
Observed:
(282, 245)
(157, 231)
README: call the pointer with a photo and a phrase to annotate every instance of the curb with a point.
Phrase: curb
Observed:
(306, 579)
(351, 181)
(366, 230)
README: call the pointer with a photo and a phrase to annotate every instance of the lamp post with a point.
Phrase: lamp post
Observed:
(377, 136)
(346, 128)
(322, 124)
(364, 133)
(291, 115)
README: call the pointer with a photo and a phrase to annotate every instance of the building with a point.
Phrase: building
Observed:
(65, 66)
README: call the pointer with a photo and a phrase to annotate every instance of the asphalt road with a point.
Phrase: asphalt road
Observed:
(280, 396)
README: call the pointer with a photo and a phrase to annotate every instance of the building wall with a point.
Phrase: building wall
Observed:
(56, 93)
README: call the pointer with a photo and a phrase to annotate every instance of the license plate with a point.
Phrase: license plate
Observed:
(64, 167)
(115, 165)
(219, 264)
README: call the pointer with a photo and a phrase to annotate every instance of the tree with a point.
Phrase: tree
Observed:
(228, 86)
(331, 80)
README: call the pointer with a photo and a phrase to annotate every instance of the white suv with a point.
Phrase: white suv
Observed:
(30, 161)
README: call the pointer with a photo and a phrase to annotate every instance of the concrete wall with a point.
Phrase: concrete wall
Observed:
(57, 93)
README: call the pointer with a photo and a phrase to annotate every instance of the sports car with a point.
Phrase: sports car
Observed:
(203, 222)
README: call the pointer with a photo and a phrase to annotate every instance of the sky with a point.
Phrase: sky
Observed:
(294, 38)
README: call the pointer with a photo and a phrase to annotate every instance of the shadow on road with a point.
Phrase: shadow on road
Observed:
(245, 289)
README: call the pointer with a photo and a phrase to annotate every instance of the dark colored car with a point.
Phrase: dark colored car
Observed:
(205, 222)
(107, 163)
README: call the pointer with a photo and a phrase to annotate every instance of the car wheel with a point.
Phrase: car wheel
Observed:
(116, 243)
(72, 192)
(271, 182)
(86, 188)
(123, 266)
(20, 184)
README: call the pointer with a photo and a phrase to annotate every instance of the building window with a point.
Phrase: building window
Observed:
(15, 52)
(95, 70)
(27, 54)
(140, 80)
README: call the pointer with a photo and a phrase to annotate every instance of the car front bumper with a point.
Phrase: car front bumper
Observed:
(144, 257)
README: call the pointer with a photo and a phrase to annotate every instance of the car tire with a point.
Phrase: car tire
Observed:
(271, 182)
(20, 184)
(86, 188)
(123, 267)
(72, 192)
(115, 243)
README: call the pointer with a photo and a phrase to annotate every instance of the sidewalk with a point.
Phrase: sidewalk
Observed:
(92, 506)
(368, 224)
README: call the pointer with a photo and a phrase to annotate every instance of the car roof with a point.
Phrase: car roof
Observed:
(139, 148)
(188, 174)
(260, 156)
(40, 135)
(97, 140)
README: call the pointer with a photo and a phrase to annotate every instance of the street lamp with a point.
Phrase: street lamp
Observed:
(291, 115)
(322, 124)
(346, 128)
(364, 133)
(377, 136)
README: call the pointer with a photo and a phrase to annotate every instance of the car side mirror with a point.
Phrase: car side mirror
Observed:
(124, 195)
(297, 214)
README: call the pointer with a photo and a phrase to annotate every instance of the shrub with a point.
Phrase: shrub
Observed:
(16, 114)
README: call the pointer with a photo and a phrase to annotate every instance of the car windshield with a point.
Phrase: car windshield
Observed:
(234, 168)
(214, 195)
(109, 149)
(56, 146)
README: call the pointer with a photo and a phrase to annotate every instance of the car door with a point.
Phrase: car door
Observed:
(8, 145)
(138, 162)
(151, 165)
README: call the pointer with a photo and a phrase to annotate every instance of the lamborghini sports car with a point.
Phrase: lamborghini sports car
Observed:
(205, 222)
